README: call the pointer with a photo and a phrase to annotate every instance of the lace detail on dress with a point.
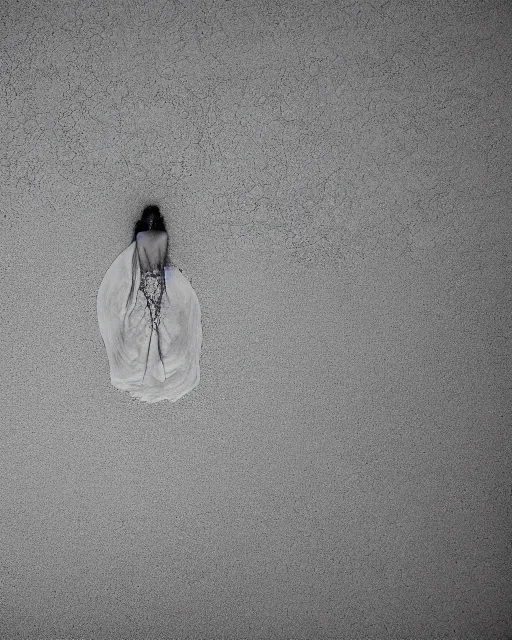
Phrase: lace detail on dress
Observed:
(152, 286)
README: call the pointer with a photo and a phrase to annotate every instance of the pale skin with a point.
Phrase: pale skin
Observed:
(152, 249)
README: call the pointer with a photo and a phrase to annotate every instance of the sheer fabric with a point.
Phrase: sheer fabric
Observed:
(151, 326)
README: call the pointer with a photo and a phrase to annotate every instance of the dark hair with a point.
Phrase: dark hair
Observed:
(151, 218)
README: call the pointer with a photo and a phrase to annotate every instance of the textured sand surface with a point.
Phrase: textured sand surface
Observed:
(335, 177)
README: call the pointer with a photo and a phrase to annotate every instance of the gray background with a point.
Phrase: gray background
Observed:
(336, 181)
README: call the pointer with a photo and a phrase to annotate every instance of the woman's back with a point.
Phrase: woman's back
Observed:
(151, 249)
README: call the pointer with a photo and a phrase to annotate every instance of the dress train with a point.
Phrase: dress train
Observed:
(152, 333)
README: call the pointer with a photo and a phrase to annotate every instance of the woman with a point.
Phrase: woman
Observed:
(149, 318)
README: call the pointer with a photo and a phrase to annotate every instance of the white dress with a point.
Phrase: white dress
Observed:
(152, 333)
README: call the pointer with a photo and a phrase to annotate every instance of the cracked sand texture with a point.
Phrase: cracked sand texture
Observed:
(335, 177)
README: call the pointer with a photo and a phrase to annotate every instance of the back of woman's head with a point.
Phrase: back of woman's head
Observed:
(151, 219)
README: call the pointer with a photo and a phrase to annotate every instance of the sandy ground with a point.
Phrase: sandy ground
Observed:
(336, 181)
